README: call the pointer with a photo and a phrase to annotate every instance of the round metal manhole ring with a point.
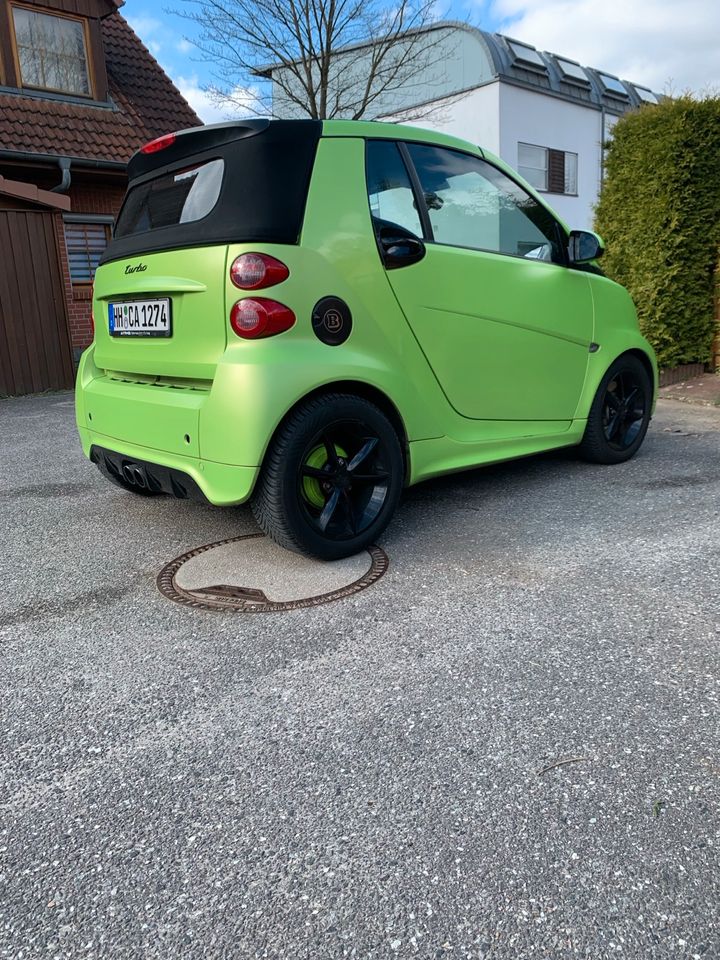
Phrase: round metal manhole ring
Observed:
(239, 599)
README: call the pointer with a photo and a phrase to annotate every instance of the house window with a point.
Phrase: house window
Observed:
(570, 174)
(533, 165)
(572, 71)
(51, 52)
(85, 244)
(613, 86)
(553, 171)
(526, 55)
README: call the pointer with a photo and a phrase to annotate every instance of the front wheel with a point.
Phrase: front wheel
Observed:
(331, 479)
(620, 413)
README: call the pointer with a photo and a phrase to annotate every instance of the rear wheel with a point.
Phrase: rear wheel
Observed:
(331, 479)
(620, 413)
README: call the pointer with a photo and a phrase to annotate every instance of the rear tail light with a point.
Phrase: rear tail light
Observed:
(254, 318)
(255, 271)
(160, 143)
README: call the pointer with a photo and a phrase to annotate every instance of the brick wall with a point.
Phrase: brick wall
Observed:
(94, 199)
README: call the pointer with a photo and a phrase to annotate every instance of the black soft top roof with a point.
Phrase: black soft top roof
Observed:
(268, 164)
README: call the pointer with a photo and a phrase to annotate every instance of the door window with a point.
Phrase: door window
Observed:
(472, 204)
(389, 188)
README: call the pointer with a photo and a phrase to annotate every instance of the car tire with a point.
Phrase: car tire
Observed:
(620, 413)
(331, 479)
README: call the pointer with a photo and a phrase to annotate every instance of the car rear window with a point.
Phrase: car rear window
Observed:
(171, 199)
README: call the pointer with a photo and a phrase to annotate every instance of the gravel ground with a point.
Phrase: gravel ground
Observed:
(377, 778)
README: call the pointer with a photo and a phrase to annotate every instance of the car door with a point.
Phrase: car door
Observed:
(502, 321)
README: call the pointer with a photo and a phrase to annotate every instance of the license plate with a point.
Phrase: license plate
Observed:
(140, 318)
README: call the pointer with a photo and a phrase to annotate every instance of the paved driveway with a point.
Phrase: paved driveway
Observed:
(368, 779)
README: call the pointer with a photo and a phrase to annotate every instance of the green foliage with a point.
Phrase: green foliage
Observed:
(659, 214)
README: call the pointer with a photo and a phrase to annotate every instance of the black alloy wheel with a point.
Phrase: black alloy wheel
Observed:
(620, 413)
(344, 480)
(623, 410)
(332, 478)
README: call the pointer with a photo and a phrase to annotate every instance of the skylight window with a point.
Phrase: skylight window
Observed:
(526, 55)
(613, 85)
(647, 96)
(572, 71)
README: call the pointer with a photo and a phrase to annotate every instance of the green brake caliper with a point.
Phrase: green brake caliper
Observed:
(312, 491)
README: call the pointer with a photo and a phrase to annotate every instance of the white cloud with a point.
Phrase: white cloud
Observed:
(246, 101)
(184, 46)
(653, 43)
(147, 28)
(143, 25)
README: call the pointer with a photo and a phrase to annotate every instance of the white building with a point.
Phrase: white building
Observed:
(545, 115)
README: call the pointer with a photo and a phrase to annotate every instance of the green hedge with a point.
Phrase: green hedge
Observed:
(659, 214)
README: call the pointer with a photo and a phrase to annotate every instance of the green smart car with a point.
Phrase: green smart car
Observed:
(312, 315)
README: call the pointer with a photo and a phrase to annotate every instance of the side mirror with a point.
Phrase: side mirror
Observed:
(584, 246)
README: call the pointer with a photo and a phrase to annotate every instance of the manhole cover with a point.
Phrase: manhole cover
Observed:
(251, 574)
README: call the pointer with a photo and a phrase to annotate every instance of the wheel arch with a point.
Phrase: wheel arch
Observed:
(366, 391)
(646, 362)
(602, 361)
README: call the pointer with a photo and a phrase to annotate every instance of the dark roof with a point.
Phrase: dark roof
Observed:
(145, 104)
(520, 62)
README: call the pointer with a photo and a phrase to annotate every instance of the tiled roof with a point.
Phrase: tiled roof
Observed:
(147, 105)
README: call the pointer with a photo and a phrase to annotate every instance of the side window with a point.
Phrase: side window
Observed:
(472, 204)
(389, 188)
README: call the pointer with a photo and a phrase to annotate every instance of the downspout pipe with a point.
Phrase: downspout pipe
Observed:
(64, 185)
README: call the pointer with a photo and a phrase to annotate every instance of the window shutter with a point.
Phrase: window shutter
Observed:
(85, 243)
(556, 171)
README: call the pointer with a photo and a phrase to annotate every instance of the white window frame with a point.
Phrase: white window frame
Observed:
(521, 167)
(526, 166)
(567, 192)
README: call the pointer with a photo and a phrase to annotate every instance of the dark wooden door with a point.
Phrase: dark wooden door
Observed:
(35, 349)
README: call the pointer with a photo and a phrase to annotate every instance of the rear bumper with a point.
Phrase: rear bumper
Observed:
(157, 429)
(190, 478)
(145, 476)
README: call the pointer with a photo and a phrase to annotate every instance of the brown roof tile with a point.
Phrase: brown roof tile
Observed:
(147, 105)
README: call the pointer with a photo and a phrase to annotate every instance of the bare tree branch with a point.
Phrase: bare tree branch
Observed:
(320, 58)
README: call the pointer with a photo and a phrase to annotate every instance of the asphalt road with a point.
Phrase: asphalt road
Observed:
(367, 779)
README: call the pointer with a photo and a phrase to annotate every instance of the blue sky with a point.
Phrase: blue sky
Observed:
(656, 43)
